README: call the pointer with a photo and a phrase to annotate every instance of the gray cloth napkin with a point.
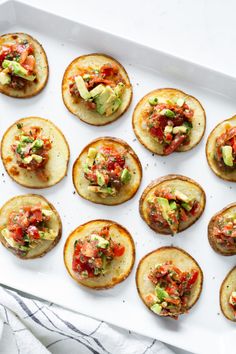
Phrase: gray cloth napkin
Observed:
(38, 327)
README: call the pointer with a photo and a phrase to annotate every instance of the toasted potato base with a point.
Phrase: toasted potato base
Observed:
(78, 107)
(216, 247)
(228, 285)
(198, 120)
(180, 259)
(42, 69)
(14, 204)
(185, 185)
(56, 167)
(119, 268)
(127, 191)
(210, 149)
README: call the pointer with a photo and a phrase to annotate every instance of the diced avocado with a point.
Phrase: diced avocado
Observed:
(119, 89)
(86, 77)
(99, 157)
(186, 206)
(25, 139)
(82, 88)
(156, 308)
(150, 199)
(168, 113)
(18, 70)
(104, 263)
(125, 176)
(48, 235)
(153, 101)
(5, 79)
(86, 168)
(27, 159)
(5, 232)
(100, 179)
(227, 154)
(97, 90)
(164, 206)
(47, 212)
(188, 125)
(102, 242)
(38, 143)
(161, 293)
(104, 100)
(173, 205)
(168, 129)
(181, 196)
(180, 102)
(113, 106)
(92, 152)
(37, 158)
(103, 190)
(180, 129)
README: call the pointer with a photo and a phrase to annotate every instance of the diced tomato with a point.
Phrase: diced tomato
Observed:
(193, 279)
(4, 52)
(29, 63)
(33, 232)
(176, 142)
(109, 70)
(119, 250)
(183, 215)
(89, 249)
(157, 132)
(169, 137)
(17, 234)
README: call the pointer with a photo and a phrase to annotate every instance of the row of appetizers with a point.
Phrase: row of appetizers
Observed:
(96, 88)
(101, 253)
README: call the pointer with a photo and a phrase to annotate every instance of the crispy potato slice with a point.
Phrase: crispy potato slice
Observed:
(14, 204)
(42, 70)
(127, 191)
(217, 247)
(227, 174)
(185, 185)
(77, 106)
(119, 268)
(56, 167)
(198, 120)
(228, 285)
(180, 259)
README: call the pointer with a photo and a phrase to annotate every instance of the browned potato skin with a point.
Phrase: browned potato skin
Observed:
(227, 176)
(211, 238)
(170, 249)
(225, 307)
(115, 200)
(53, 244)
(40, 86)
(25, 184)
(167, 91)
(155, 183)
(97, 122)
(115, 280)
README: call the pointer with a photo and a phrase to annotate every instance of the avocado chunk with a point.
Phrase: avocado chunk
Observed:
(125, 176)
(108, 101)
(17, 69)
(82, 88)
(181, 196)
(103, 190)
(180, 102)
(180, 129)
(48, 235)
(102, 242)
(119, 89)
(5, 79)
(35, 157)
(156, 308)
(92, 152)
(173, 205)
(161, 293)
(47, 212)
(97, 91)
(100, 178)
(167, 112)
(113, 107)
(99, 157)
(37, 144)
(186, 206)
(168, 129)
(227, 154)
(167, 212)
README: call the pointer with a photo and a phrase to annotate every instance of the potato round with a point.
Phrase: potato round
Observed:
(127, 191)
(229, 175)
(78, 107)
(228, 285)
(119, 268)
(14, 204)
(42, 70)
(164, 94)
(59, 154)
(180, 259)
(217, 247)
(185, 185)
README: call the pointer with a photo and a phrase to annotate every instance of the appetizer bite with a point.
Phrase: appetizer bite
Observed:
(172, 203)
(107, 172)
(169, 281)
(168, 120)
(23, 65)
(228, 295)
(30, 226)
(35, 153)
(221, 149)
(99, 254)
(96, 88)
(222, 231)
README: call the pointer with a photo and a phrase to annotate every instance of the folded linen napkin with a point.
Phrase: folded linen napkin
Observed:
(38, 327)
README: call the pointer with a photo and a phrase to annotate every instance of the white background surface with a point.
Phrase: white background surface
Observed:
(201, 31)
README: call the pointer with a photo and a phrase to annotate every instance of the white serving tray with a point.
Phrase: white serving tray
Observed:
(204, 329)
